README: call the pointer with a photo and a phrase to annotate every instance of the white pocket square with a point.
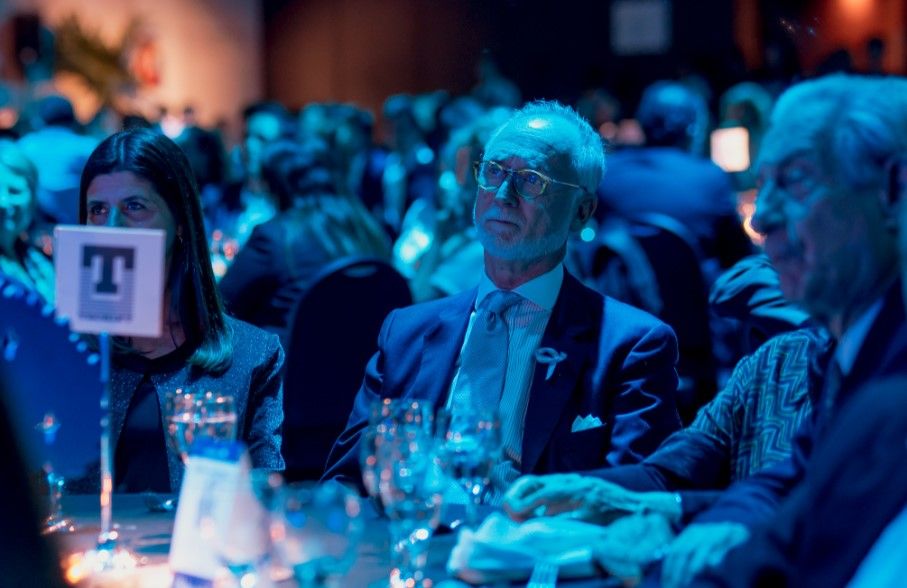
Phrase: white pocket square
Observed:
(585, 423)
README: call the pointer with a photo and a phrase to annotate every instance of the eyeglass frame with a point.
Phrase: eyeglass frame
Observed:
(477, 165)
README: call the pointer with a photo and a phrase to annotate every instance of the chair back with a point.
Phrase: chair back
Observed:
(333, 334)
(676, 262)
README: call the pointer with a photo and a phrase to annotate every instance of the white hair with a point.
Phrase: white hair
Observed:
(856, 123)
(588, 157)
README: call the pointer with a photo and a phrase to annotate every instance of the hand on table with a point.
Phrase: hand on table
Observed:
(584, 498)
(630, 544)
(697, 547)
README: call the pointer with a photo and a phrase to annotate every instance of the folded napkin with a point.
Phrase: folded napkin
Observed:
(501, 549)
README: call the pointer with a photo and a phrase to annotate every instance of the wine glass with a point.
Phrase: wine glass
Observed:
(411, 487)
(55, 521)
(386, 415)
(317, 530)
(467, 449)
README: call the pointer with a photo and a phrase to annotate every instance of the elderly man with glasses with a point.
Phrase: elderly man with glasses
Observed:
(579, 380)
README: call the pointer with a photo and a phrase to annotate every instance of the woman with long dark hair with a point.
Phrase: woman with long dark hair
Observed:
(141, 179)
(314, 227)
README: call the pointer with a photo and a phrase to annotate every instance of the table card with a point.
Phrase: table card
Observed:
(215, 500)
(109, 279)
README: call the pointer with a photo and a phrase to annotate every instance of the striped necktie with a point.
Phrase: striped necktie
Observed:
(483, 364)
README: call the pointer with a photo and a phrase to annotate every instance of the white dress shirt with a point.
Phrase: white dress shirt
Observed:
(526, 323)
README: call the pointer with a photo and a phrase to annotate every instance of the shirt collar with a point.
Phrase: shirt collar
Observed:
(541, 291)
(852, 339)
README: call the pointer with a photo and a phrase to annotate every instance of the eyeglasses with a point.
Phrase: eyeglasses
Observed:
(798, 174)
(528, 183)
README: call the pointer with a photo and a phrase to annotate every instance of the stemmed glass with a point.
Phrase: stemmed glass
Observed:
(385, 416)
(468, 447)
(55, 521)
(316, 530)
(411, 487)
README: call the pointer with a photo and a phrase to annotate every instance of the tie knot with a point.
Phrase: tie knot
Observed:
(496, 305)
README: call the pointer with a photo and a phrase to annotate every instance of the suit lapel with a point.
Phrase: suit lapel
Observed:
(882, 345)
(571, 326)
(440, 349)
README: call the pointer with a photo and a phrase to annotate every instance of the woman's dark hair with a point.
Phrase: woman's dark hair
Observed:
(194, 296)
(299, 174)
(293, 170)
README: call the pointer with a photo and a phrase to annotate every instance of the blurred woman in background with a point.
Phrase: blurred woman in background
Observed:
(314, 227)
(19, 260)
(437, 249)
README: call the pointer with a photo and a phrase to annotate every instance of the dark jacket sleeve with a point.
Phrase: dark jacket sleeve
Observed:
(697, 457)
(343, 461)
(643, 404)
(265, 410)
(253, 277)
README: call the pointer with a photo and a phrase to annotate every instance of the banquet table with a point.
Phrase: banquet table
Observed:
(147, 535)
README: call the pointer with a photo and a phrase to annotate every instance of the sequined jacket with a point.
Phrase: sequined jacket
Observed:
(254, 380)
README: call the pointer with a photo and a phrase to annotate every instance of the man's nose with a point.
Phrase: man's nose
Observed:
(506, 192)
(769, 211)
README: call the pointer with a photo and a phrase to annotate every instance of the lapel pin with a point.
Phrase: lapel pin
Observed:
(550, 357)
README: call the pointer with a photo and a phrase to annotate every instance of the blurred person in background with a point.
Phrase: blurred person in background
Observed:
(438, 250)
(747, 105)
(59, 150)
(358, 162)
(246, 201)
(19, 259)
(664, 177)
(410, 170)
(142, 179)
(314, 227)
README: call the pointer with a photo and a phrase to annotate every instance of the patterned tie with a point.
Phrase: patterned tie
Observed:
(483, 365)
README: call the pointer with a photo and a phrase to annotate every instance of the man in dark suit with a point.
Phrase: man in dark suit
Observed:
(846, 521)
(828, 211)
(586, 381)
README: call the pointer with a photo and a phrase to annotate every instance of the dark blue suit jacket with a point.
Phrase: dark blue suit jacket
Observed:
(619, 367)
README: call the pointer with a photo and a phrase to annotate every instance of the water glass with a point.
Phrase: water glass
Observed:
(316, 530)
(218, 417)
(190, 416)
(467, 449)
(181, 415)
(411, 488)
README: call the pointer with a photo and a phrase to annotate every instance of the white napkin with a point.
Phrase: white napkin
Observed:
(501, 549)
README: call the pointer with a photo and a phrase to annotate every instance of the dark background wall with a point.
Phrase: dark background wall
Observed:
(364, 50)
